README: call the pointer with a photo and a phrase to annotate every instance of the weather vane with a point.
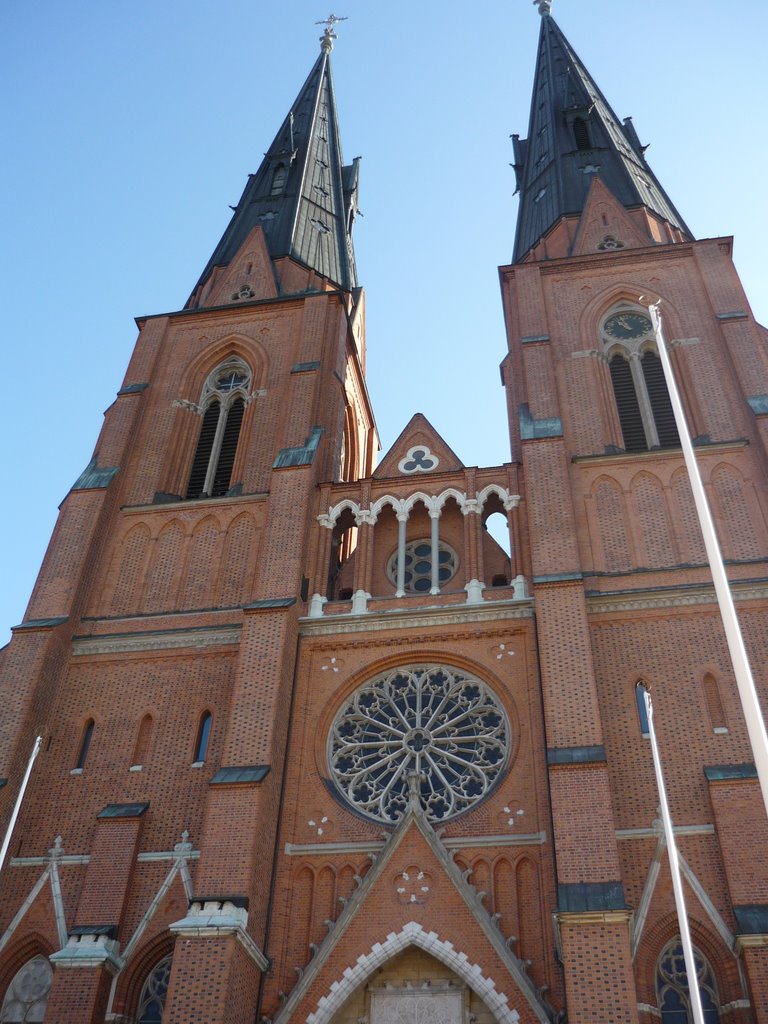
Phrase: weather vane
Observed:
(545, 6)
(328, 36)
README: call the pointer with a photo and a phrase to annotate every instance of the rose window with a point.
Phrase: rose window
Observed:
(444, 725)
(418, 566)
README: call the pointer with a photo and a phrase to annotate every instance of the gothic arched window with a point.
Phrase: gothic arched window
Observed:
(673, 993)
(642, 399)
(27, 994)
(85, 744)
(203, 737)
(225, 394)
(152, 1001)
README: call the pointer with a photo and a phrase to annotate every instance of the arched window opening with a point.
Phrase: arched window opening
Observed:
(224, 398)
(203, 737)
(278, 180)
(27, 995)
(714, 703)
(152, 999)
(581, 133)
(143, 740)
(341, 567)
(642, 711)
(673, 993)
(639, 387)
(85, 744)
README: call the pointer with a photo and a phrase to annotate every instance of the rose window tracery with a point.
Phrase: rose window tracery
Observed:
(442, 724)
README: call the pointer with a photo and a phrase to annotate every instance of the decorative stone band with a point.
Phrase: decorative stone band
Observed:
(592, 917)
(90, 946)
(217, 917)
(750, 942)
(402, 507)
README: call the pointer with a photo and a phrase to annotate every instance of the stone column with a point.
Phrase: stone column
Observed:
(434, 523)
(402, 529)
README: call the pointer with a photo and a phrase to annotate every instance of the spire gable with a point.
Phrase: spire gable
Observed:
(573, 137)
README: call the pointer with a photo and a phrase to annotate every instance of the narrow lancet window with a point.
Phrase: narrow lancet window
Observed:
(581, 133)
(278, 180)
(203, 737)
(85, 744)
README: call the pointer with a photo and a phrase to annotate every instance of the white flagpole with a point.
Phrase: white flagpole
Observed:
(19, 798)
(674, 867)
(750, 702)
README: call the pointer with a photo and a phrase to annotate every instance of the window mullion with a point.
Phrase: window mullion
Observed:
(216, 449)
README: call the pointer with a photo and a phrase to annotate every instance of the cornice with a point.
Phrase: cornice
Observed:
(421, 618)
(204, 312)
(656, 454)
(672, 597)
(157, 640)
(454, 843)
(183, 505)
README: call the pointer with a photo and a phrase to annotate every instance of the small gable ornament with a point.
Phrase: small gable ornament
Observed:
(418, 459)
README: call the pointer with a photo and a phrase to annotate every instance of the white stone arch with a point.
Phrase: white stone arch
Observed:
(430, 502)
(450, 492)
(396, 504)
(335, 511)
(413, 934)
(508, 500)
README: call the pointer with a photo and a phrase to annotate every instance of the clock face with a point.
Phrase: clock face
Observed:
(625, 326)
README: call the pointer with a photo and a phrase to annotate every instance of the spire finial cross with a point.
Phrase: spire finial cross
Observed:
(545, 6)
(328, 36)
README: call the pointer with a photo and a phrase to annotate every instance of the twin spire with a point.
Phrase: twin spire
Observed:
(304, 197)
(573, 138)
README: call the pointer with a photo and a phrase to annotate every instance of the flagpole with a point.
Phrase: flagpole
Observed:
(750, 702)
(19, 798)
(674, 867)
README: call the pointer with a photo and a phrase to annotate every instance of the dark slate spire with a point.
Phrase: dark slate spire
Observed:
(302, 195)
(574, 135)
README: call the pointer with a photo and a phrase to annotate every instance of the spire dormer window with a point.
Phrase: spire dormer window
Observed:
(642, 400)
(223, 402)
(581, 133)
(279, 175)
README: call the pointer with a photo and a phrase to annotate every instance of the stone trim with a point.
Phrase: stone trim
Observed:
(671, 597)
(89, 950)
(419, 618)
(157, 640)
(656, 453)
(215, 918)
(652, 833)
(592, 917)
(454, 843)
(750, 942)
(412, 934)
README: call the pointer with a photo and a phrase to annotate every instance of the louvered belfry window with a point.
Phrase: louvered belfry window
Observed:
(661, 406)
(639, 386)
(224, 398)
(627, 405)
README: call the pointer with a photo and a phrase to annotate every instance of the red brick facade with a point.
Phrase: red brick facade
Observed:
(270, 607)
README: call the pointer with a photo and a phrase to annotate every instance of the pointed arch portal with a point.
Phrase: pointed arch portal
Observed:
(413, 934)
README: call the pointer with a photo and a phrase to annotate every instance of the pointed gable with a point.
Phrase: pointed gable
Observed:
(574, 134)
(393, 908)
(606, 225)
(418, 451)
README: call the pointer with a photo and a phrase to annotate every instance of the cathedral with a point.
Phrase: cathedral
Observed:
(315, 747)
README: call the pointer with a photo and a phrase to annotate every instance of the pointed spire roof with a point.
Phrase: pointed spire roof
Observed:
(302, 196)
(573, 136)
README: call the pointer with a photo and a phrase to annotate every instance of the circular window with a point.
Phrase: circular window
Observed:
(418, 566)
(444, 725)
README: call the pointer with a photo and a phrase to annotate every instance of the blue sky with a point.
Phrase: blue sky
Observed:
(129, 128)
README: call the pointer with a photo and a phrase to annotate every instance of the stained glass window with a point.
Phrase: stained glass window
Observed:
(152, 1002)
(672, 988)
